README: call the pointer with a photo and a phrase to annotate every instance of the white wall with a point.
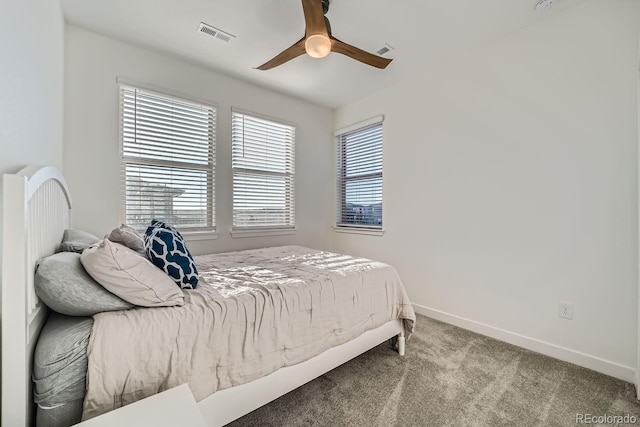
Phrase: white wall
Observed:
(510, 184)
(31, 86)
(91, 137)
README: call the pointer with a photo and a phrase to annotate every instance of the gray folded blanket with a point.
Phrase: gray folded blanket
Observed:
(60, 369)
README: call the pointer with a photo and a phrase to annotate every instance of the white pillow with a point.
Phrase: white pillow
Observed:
(130, 276)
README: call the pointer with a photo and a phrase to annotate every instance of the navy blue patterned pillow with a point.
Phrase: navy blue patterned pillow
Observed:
(166, 249)
(161, 224)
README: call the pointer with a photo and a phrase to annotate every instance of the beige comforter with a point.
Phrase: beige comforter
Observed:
(253, 312)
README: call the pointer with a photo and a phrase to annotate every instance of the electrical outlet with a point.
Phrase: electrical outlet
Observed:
(566, 310)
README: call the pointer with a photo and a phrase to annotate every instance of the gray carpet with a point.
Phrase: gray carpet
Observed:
(450, 377)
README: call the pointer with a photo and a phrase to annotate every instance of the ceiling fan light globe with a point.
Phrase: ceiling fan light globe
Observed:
(317, 45)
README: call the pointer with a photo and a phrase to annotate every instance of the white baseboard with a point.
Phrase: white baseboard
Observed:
(595, 363)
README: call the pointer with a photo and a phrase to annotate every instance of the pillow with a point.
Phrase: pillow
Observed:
(161, 224)
(77, 241)
(130, 276)
(64, 286)
(166, 249)
(128, 237)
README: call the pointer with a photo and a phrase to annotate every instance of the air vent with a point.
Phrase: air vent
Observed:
(384, 49)
(215, 32)
(544, 5)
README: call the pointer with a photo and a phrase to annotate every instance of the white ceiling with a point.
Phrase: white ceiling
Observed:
(423, 32)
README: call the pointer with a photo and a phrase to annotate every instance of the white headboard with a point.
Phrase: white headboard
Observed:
(36, 211)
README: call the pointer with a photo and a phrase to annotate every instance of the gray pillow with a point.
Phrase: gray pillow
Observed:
(128, 237)
(63, 284)
(77, 241)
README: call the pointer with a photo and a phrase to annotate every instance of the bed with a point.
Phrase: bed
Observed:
(37, 211)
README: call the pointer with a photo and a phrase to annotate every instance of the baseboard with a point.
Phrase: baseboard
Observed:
(604, 366)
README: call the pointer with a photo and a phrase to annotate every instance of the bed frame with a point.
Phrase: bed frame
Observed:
(36, 211)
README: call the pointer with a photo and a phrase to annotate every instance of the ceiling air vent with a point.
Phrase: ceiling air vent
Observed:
(544, 5)
(215, 32)
(384, 49)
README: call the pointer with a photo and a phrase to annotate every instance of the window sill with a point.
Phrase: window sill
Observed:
(360, 230)
(192, 236)
(262, 233)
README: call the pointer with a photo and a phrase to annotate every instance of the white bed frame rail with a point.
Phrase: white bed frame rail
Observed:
(229, 404)
(36, 211)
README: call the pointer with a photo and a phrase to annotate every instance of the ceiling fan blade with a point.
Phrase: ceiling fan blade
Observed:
(359, 54)
(288, 54)
(314, 17)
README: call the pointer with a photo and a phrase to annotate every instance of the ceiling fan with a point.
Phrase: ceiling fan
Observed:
(318, 41)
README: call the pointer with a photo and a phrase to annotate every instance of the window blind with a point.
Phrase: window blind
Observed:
(263, 153)
(359, 177)
(168, 160)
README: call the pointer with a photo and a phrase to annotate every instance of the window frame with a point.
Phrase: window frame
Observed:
(207, 231)
(342, 180)
(265, 230)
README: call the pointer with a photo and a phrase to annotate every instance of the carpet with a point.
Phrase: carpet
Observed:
(453, 377)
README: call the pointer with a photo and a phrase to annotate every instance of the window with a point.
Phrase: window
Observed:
(359, 176)
(263, 173)
(168, 160)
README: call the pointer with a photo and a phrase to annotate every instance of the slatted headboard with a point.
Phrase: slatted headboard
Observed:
(36, 211)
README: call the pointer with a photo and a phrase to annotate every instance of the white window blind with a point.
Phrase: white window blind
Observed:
(359, 177)
(168, 160)
(263, 153)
